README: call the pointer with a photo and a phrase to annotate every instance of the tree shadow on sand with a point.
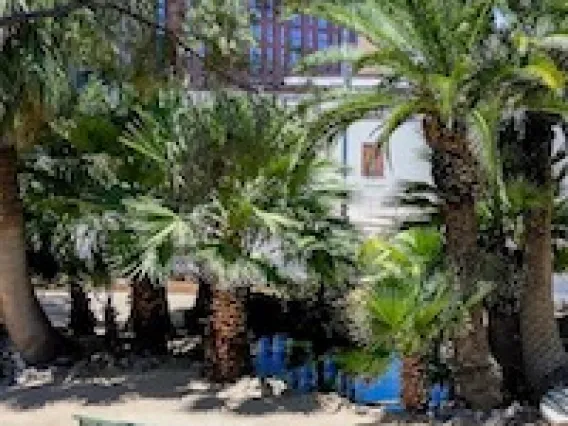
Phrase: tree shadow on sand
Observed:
(291, 404)
(154, 384)
(186, 385)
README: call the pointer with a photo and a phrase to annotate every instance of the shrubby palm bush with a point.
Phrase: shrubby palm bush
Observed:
(408, 307)
(237, 192)
(46, 50)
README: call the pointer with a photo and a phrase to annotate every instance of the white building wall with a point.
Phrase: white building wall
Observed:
(369, 206)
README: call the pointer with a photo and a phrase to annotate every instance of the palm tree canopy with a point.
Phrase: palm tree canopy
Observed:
(438, 58)
(227, 179)
(410, 300)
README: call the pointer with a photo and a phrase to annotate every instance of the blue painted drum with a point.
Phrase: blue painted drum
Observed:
(279, 354)
(271, 359)
(262, 357)
(385, 389)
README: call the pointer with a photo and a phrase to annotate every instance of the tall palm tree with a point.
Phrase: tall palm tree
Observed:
(437, 60)
(25, 113)
(538, 28)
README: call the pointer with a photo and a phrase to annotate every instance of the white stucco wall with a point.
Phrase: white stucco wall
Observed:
(370, 200)
(369, 207)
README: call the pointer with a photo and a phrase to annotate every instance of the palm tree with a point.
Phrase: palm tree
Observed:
(36, 86)
(503, 237)
(439, 62)
(544, 357)
(25, 114)
(236, 177)
(409, 302)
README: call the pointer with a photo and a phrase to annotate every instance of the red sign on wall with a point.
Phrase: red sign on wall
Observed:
(372, 161)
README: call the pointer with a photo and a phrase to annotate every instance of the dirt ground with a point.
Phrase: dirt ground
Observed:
(169, 398)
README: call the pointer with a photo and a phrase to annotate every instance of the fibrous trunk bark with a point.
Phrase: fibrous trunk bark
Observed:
(226, 343)
(82, 321)
(543, 352)
(454, 171)
(150, 316)
(545, 359)
(505, 340)
(25, 320)
(413, 383)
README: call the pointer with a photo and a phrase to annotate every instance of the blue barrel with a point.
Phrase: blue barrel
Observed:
(329, 370)
(351, 388)
(304, 374)
(280, 343)
(291, 381)
(279, 352)
(339, 379)
(262, 358)
(385, 389)
(435, 397)
(314, 375)
(439, 396)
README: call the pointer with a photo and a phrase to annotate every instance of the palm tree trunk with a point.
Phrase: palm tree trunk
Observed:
(454, 171)
(543, 352)
(150, 315)
(545, 359)
(475, 378)
(505, 339)
(413, 383)
(226, 345)
(26, 322)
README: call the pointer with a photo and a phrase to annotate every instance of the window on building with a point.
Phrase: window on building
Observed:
(333, 38)
(268, 8)
(296, 39)
(322, 40)
(256, 32)
(294, 58)
(372, 162)
(322, 24)
(309, 39)
(270, 33)
(270, 59)
(255, 59)
(297, 20)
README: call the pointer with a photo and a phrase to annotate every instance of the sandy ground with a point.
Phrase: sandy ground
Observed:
(170, 398)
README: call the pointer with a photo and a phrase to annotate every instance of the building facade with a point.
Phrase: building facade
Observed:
(282, 43)
(279, 43)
